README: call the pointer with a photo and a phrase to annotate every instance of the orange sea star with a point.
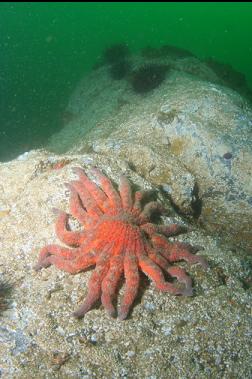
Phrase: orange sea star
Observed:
(118, 238)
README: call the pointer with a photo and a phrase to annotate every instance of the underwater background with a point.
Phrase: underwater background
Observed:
(125, 142)
(47, 47)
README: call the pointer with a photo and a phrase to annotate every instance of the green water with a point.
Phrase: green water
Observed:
(47, 47)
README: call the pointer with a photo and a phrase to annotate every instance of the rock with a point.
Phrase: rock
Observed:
(190, 136)
(40, 338)
(189, 141)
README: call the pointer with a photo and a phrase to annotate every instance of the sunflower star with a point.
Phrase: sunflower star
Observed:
(118, 238)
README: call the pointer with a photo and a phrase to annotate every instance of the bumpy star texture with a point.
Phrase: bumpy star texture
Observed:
(118, 238)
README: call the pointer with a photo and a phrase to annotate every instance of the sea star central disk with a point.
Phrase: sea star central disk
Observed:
(119, 239)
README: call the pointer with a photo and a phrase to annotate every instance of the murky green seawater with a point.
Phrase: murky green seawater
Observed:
(46, 48)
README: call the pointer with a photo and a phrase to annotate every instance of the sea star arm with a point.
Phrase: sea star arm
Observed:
(66, 236)
(72, 266)
(182, 277)
(54, 250)
(155, 274)
(137, 206)
(156, 257)
(97, 194)
(115, 271)
(76, 207)
(125, 193)
(87, 200)
(94, 285)
(177, 251)
(110, 283)
(181, 251)
(131, 278)
(172, 229)
(107, 187)
(152, 206)
(176, 272)
(167, 230)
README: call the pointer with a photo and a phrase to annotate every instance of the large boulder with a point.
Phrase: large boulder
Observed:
(190, 132)
(189, 140)
(207, 335)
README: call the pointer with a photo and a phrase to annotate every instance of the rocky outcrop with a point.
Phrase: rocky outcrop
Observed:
(189, 140)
